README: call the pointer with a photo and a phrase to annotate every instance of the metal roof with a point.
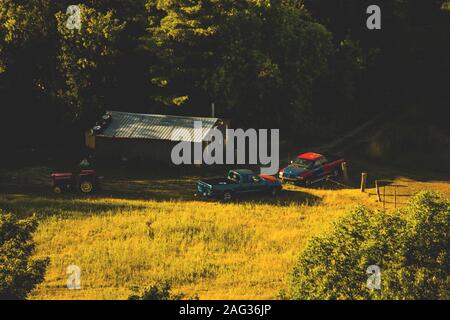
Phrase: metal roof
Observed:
(156, 127)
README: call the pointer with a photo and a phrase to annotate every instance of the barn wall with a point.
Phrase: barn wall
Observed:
(159, 151)
(154, 150)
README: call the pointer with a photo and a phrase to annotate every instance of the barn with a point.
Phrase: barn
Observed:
(130, 136)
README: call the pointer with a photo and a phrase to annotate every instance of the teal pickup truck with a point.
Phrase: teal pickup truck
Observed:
(237, 183)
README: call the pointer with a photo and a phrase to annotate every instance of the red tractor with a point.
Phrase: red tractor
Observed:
(85, 181)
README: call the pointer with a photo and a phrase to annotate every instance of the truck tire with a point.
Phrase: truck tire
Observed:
(274, 192)
(86, 187)
(227, 196)
(336, 173)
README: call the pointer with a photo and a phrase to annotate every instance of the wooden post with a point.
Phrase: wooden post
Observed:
(384, 197)
(395, 197)
(363, 182)
(378, 190)
(345, 171)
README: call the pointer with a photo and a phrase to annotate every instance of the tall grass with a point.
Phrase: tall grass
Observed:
(235, 251)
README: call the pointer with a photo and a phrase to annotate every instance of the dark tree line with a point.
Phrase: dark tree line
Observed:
(302, 66)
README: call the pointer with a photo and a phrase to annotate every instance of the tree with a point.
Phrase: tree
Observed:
(340, 90)
(86, 62)
(412, 48)
(273, 55)
(411, 247)
(19, 272)
(249, 57)
(160, 291)
(25, 55)
(20, 23)
(180, 42)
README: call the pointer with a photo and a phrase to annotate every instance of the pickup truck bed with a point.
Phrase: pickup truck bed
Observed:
(238, 182)
(218, 181)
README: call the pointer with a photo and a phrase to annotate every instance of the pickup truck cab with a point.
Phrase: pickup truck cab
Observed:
(312, 167)
(238, 182)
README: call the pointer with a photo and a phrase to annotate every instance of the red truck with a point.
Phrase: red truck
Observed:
(311, 167)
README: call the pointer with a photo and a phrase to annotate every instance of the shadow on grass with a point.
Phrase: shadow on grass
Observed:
(285, 198)
(127, 185)
(149, 188)
(330, 184)
(24, 205)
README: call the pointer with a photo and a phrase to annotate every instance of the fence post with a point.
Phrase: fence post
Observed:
(345, 171)
(378, 190)
(395, 197)
(363, 182)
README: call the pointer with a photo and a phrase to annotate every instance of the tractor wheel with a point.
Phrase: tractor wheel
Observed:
(227, 196)
(57, 190)
(86, 187)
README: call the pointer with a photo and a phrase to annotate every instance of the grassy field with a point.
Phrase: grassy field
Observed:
(143, 228)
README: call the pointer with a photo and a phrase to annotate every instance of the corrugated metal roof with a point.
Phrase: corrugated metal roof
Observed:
(156, 127)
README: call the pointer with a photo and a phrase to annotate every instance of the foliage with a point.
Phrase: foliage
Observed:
(21, 24)
(415, 76)
(260, 62)
(86, 60)
(158, 291)
(19, 272)
(410, 246)
(251, 57)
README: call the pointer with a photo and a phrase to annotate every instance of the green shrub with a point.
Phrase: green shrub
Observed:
(160, 291)
(19, 273)
(410, 246)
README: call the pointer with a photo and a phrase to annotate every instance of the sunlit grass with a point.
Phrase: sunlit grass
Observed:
(243, 250)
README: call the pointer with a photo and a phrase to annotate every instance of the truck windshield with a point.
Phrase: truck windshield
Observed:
(303, 163)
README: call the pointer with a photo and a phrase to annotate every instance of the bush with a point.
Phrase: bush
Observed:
(410, 246)
(19, 273)
(159, 291)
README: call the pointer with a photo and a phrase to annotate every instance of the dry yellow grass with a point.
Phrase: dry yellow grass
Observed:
(243, 250)
(235, 251)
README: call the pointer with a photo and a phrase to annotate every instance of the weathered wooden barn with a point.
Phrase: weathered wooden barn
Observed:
(149, 137)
